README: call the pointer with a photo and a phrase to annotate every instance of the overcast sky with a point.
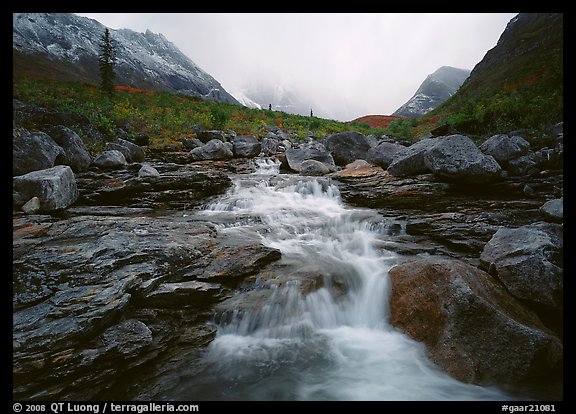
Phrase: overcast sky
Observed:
(348, 64)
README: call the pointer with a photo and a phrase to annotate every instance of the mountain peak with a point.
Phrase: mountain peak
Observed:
(65, 46)
(436, 88)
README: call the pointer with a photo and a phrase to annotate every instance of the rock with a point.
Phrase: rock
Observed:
(504, 148)
(110, 160)
(347, 147)
(55, 188)
(175, 295)
(246, 146)
(33, 152)
(207, 136)
(357, 169)
(473, 328)
(147, 171)
(272, 144)
(313, 168)
(32, 206)
(127, 338)
(553, 210)
(411, 161)
(312, 151)
(456, 157)
(528, 261)
(76, 155)
(384, 153)
(213, 150)
(132, 152)
(191, 143)
(521, 166)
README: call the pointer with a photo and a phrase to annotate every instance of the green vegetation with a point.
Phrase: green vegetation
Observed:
(167, 118)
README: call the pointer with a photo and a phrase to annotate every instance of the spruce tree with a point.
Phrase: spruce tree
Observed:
(106, 60)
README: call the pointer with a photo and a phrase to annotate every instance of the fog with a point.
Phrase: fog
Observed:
(345, 65)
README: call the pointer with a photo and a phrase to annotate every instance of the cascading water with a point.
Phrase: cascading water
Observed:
(334, 343)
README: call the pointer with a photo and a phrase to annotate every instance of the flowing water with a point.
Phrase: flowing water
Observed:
(329, 343)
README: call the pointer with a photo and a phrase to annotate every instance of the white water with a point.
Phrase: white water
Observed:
(334, 343)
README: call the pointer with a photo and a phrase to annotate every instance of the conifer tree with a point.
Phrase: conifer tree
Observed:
(106, 61)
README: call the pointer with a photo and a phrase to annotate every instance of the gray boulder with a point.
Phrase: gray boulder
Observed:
(528, 261)
(504, 148)
(55, 188)
(311, 151)
(191, 143)
(411, 161)
(553, 210)
(132, 152)
(209, 135)
(384, 153)
(347, 147)
(147, 171)
(76, 155)
(273, 144)
(213, 150)
(313, 168)
(456, 157)
(110, 160)
(33, 151)
(246, 146)
(472, 327)
(32, 206)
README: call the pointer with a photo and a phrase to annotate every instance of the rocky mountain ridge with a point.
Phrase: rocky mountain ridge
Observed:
(66, 46)
(436, 89)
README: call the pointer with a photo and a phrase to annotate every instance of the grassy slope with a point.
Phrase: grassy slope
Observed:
(165, 117)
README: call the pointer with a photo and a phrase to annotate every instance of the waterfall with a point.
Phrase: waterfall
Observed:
(333, 342)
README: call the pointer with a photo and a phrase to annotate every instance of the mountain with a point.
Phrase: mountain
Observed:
(519, 82)
(436, 89)
(65, 46)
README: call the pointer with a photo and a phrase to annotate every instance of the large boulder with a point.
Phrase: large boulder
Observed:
(213, 150)
(55, 188)
(504, 148)
(473, 328)
(246, 146)
(411, 161)
(528, 261)
(456, 157)
(110, 160)
(314, 168)
(33, 151)
(76, 155)
(347, 147)
(311, 151)
(384, 153)
(131, 151)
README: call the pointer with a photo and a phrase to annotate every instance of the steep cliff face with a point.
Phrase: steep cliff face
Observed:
(436, 89)
(66, 46)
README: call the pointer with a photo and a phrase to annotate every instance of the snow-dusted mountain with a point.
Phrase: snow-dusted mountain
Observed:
(66, 46)
(436, 88)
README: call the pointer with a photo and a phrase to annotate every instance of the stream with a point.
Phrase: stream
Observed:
(329, 342)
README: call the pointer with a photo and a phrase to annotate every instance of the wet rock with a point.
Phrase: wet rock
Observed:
(33, 151)
(528, 261)
(175, 295)
(553, 210)
(504, 148)
(411, 161)
(55, 188)
(346, 147)
(215, 149)
(384, 153)
(313, 168)
(473, 328)
(246, 146)
(456, 157)
(76, 155)
(131, 151)
(110, 160)
(147, 171)
(312, 151)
